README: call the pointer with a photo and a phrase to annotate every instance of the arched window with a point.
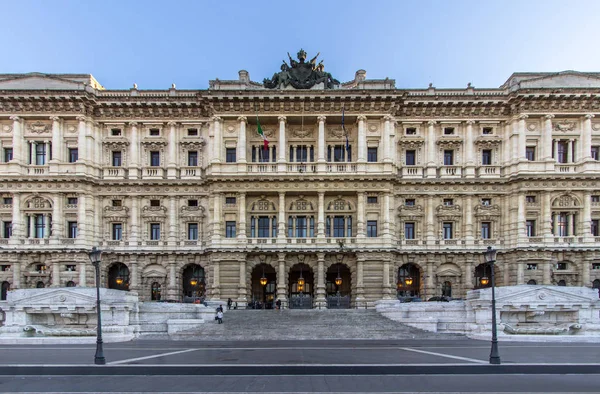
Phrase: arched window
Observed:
(155, 291)
(118, 277)
(562, 282)
(531, 282)
(70, 284)
(409, 281)
(447, 289)
(4, 290)
(40, 285)
(596, 284)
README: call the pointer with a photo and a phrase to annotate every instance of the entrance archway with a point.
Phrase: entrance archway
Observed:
(483, 274)
(409, 282)
(447, 289)
(264, 287)
(194, 283)
(301, 286)
(338, 285)
(118, 277)
(155, 291)
(4, 290)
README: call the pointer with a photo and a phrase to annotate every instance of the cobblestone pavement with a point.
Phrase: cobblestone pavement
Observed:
(307, 324)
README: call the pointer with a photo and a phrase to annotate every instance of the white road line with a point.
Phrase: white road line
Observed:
(148, 357)
(473, 360)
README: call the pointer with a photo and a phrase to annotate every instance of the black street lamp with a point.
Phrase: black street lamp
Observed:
(490, 259)
(95, 256)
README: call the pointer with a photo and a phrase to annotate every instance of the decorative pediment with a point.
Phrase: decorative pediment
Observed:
(154, 271)
(565, 79)
(301, 205)
(262, 205)
(196, 212)
(340, 205)
(448, 209)
(488, 140)
(149, 211)
(267, 131)
(39, 127)
(37, 203)
(154, 143)
(410, 210)
(449, 269)
(116, 142)
(116, 212)
(37, 81)
(412, 142)
(54, 299)
(449, 141)
(487, 210)
(566, 201)
(195, 144)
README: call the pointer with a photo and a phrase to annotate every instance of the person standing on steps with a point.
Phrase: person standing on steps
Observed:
(229, 303)
(220, 316)
(278, 304)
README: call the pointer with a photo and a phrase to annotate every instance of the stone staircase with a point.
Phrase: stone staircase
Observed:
(306, 324)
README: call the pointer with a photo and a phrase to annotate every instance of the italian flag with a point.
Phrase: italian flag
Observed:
(262, 134)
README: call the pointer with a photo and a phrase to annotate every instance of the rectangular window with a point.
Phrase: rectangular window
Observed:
(371, 199)
(448, 202)
(301, 154)
(229, 200)
(230, 155)
(562, 225)
(486, 202)
(155, 159)
(115, 132)
(117, 231)
(72, 200)
(193, 158)
(448, 130)
(486, 157)
(192, 231)
(561, 266)
(73, 155)
(409, 230)
(487, 130)
(72, 229)
(411, 157)
(192, 132)
(263, 226)
(339, 153)
(155, 203)
(447, 226)
(8, 154)
(372, 228)
(530, 199)
(192, 203)
(7, 200)
(338, 226)
(562, 148)
(486, 230)
(530, 228)
(595, 152)
(301, 227)
(594, 199)
(230, 229)
(595, 227)
(154, 132)
(531, 267)
(595, 266)
(6, 229)
(40, 154)
(411, 131)
(409, 202)
(530, 153)
(117, 158)
(39, 226)
(117, 203)
(155, 231)
(372, 155)
(448, 157)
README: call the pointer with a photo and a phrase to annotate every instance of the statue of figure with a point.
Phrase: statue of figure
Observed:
(313, 61)
(301, 74)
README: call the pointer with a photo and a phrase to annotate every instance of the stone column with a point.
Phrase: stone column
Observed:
(555, 148)
(321, 216)
(82, 139)
(470, 158)
(570, 224)
(469, 236)
(134, 155)
(17, 140)
(57, 217)
(522, 137)
(386, 216)
(16, 273)
(360, 216)
(281, 278)
(82, 219)
(360, 289)
(520, 273)
(89, 150)
(547, 217)
(135, 229)
(242, 215)
(546, 153)
(521, 230)
(18, 227)
(585, 272)
(31, 225)
(55, 273)
(547, 267)
(172, 156)
(362, 139)
(134, 274)
(172, 287)
(387, 293)
(468, 281)
(321, 145)
(431, 164)
(173, 220)
(216, 230)
(570, 151)
(82, 275)
(586, 222)
(430, 282)
(430, 224)
(586, 138)
(33, 152)
(216, 289)
(218, 140)
(242, 285)
(281, 217)
(387, 143)
(241, 147)
(321, 301)
(282, 145)
(46, 226)
(57, 139)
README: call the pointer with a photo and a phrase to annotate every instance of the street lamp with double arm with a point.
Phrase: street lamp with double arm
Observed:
(490, 259)
(95, 257)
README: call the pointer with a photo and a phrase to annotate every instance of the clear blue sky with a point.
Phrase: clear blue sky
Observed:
(156, 43)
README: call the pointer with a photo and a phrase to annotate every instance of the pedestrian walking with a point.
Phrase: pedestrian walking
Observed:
(278, 304)
(220, 317)
(229, 303)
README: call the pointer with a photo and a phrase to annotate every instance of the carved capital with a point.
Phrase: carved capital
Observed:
(361, 118)
(388, 118)
(133, 124)
(321, 118)
(216, 119)
(281, 118)
(523, 117)
(242, 119)
(590, 116)
(470, 122)
(172, 123)
(549, 117)
(15, 118)
(55, 118)
(431, 123)
(81, 118)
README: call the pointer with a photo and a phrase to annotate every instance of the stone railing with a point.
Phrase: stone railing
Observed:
(191, 172)
(566, 168)
(341, 167)
(301, 167)
(114, 172)
(262, 167)
(153, 172)
(450, 171)
(411, 172)
(37, 170)
(488, 171)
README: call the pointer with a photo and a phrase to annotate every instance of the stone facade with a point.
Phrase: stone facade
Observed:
(357, 182)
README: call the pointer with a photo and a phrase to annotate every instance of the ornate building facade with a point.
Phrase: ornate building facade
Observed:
(364, 191)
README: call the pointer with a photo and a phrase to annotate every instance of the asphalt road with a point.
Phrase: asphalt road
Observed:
(302, 366)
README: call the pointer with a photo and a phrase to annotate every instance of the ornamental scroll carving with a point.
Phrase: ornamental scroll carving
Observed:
(564, 126)
(39, 128)
(338, 132)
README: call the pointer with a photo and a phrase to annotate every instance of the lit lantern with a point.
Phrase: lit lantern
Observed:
(399, 284)
(485, 280)
(300, 281)
(119, 280)
(300, 287)
(409, 281)
(263, 281)
(338, 281)
(193, 281)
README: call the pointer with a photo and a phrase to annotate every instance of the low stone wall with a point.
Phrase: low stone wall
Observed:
(153, 318)
(524, 313)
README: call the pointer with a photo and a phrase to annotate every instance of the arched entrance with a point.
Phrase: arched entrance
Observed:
(483, 274)
(531, 282)
(301, 286)
(118, 277)
(155, 291)
(561, 282)
(194, 283)
(40, 285)
(4, 290)
(70, 284)
(409, 282)
(264, 287)
(338, 286)
(596, 285)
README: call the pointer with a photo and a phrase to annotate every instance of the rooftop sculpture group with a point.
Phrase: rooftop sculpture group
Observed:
(301, 74)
